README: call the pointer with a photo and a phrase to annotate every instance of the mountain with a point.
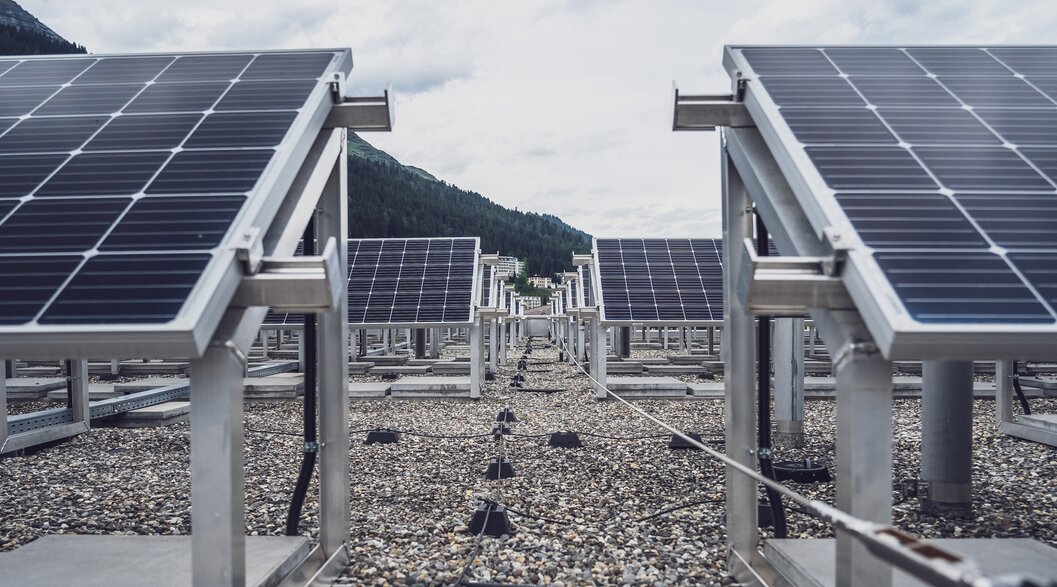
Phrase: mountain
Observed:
(22, 34)
(389, 199)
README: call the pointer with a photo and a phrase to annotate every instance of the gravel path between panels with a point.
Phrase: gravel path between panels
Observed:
(412, 501)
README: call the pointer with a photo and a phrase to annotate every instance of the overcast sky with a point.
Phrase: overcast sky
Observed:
(554, 106)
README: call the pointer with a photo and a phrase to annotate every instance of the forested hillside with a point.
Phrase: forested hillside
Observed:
(388, 199)
(22, 34)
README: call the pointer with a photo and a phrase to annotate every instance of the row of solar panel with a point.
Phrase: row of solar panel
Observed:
(661, 279)
(895, 62)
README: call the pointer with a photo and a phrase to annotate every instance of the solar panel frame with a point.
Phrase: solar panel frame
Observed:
(188, 333)
(895, 330)
(652, 307)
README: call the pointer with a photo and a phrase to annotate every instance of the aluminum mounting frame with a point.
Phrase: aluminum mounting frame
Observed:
(188, 334)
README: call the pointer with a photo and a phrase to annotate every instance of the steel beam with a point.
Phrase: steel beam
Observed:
(789, 381)
(598, 356)
(709, 111)
(476, 358)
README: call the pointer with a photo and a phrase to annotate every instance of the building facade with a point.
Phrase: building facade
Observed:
(540, 281)
(530, 302)
(510, 265)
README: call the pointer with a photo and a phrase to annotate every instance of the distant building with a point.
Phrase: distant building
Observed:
(530, 302)
(511, 266)
(540, 281)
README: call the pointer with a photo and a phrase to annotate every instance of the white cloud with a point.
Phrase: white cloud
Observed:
(558, 106)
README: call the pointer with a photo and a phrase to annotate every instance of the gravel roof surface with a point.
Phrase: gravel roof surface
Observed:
(412, 501)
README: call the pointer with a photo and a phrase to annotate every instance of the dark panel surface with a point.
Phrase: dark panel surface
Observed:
(177, 223)
(241, 129)
(104, 174)
(200, 172)
(178, 97)
(28, 284)
(55, 135)
(146, 131)
(59, 226)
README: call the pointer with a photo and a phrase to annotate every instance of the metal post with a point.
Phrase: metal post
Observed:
(598, 352)
(581, 342)
(1003, 392)
(218, 521)
(625, 342)
(739, 382)
(301, 351)
(864, 456)
(3, 405)
(493, 345)
(947, 436)
(664, 338)
(334, 475)
(420, 343)
(363, 342)
(789, 381)
(79, 391)
(476, 359)
(811, 338)
(9, 369)
(711, 340)
(434, 343)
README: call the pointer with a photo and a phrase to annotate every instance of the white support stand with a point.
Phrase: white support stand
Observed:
(79, 392)
(3, 403)
(493, 345)
(581, 342)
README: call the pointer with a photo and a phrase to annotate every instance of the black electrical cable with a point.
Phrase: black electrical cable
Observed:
(311, 446)
(763, 402)
(1020, 392)
(677, 508)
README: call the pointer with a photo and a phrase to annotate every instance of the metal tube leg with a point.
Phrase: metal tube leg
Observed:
(218, 540)
(301, 351)
(3, 405)
(598, 351)
(789, 381)
(864, 457)
(493, 345)
(334, 476)
(947, 436)
(1003, 392)
(476, 360)
(79, 387)
(739, 359)
(581, 343)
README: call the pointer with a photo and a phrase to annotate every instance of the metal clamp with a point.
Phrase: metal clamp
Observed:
(305, 284)
(853, 349)
(789, 286)
(362, 113)
(709, 111)
(250, 250)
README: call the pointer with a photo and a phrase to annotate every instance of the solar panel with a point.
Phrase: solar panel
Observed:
(943, 160)
(585, 279)
(486, 286)
(667, 281)
(126, 179)
(419, 281)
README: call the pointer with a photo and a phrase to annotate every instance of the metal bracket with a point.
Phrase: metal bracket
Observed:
(302, 284)
(789, 286)
(490, 259)
(250, 250)
(579, 260)
(840, 247)
(709, 111)
(362, 114)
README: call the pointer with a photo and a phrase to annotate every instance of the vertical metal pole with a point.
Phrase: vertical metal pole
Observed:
(598, 352)
(1003, 392)
(739, 383)
(420, 343)
(625, 342)
(789, 381)
(664, 338)
(115, 366)
(811, 339)
(218, 520)
(334, 475)
(864, 456)
(79, 391)
(3, 405)
(711, 340)
(581, 341)
(363, 342)
(301, 351)
(947, 436)
(501, 328)
(493, 345)
(476, 360)
(434, 343)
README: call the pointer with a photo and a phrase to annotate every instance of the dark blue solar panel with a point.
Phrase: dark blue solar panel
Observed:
(980, 123)
(408, 281)
(660, 280)
(120, 180)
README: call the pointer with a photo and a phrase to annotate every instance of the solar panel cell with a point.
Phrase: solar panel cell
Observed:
(191, 68)
(931, 126)
(29, 283)
(288, 66)
(1005, 90)
(55, 135)
(910, 220)
(790, 61)
(873, 61)
(1034, 126)
(980, 168)
(811, 91)
(127, 289)
(59, 226)
(241, 129)
(1014, 220)
(916, 91)
(957, 61)
(869, 168)
(200, 172)
(45, 72)
(104, 174)
(837, 125)
(23, 173)
(144, 131)
(267, 95)
(178, 223)
(20, 100)
(178, 97)
(116, 70)
(90, 99)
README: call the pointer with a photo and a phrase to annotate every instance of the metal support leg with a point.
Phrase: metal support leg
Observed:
(1003, 392)
(434, 343)
(625, 342)
(218, 520)
(420, 343)
(864, 457)
(711, 341)
(301, 351)
(493, 345)
(334, 475)
(581, 342)
(79, 391)
(598, 352)
(947, 436)
(789, 381)
(476, 359)
(739, 360)
(3, 405)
